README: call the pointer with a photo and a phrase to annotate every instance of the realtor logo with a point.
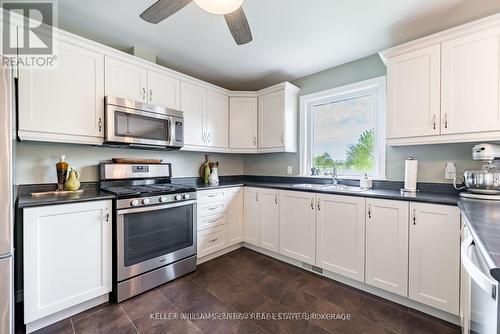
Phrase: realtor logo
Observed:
(28, 30)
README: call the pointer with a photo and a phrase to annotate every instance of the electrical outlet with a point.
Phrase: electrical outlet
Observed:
(450, 170)
(289, 170)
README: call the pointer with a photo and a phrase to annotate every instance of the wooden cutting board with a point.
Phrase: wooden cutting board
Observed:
(55, 192)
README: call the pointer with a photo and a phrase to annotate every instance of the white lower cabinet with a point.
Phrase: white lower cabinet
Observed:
(387, 245)
(211, 240)
(340, 235)
(67, 256)
(297, 227)
(235, 216)
(261, 218)
(434, 256)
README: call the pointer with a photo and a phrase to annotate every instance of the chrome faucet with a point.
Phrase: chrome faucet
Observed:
(335, 179)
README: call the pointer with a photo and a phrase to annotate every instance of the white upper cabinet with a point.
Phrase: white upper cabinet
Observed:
(251, 227)
(126, 80)
(471, 83)
(445, 88)
(413, 88)
(67, 256)
(243, 123)
(297, 227)
(66, 103)
(268, 219)
(340, 235)
(164, 90)
(434, 256)
(278, 120)
(387, 245)
(217, 119)
(193, 105)
(235, 211)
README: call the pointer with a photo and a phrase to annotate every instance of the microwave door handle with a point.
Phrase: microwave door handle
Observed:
(488, 285)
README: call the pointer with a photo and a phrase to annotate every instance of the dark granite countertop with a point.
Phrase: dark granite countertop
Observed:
(483, 219)
(90, 193)
(422, 196)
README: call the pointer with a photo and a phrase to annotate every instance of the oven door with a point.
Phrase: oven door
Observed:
(152, 237)
(131, 126)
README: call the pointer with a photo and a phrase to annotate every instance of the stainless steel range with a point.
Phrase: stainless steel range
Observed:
(155, 232)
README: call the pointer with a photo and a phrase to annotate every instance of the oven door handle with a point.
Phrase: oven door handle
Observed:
(155, 207)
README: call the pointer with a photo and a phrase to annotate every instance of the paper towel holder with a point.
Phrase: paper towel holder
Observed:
(409, 192)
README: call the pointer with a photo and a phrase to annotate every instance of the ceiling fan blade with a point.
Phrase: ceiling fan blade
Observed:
(162, 9)
(238, 25)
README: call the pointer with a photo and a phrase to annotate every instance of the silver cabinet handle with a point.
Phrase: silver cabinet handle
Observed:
(150, 95)
(143, 94)
(100, 124)
(319, 207)
(107, 217)
(256, 197)
(203, 137)
(414, 214)
(276, 199)
(312, 204)
(282, 139)
(212, 208)
(434, 122)
(254, 141)
(446, 121)
(213, 221)
(209, 138)
(213, 240)
(212, 196)
(369, 211)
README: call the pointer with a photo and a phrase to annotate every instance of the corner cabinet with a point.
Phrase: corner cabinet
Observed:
(67, 256)
(235, 207)
(445, 88)
(65, 103)
(434, 256)
(243, 124)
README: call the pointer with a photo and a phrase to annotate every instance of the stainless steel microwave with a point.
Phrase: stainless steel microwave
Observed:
(142, 125)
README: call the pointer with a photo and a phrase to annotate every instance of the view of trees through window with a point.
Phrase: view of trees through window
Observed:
(344, 136)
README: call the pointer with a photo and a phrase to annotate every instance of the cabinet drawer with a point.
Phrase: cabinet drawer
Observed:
(211, 196)
(212, 221)
(210, 209)
(212, 240)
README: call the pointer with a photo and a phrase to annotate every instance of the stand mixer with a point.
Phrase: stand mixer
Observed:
(483, 183)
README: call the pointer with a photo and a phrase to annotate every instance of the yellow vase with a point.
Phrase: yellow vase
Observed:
(73, 182)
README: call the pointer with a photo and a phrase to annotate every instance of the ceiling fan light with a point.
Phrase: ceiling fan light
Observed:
(219, 6)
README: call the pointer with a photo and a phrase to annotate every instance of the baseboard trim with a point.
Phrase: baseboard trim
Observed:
(218, 253)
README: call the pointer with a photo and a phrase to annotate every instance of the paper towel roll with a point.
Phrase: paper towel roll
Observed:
(411, 167)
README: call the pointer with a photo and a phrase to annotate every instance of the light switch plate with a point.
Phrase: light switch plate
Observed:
(289, 170)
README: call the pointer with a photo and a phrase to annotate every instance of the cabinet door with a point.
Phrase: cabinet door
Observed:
(193, 104)
(387, 245)
(413, 93)
(235, 216)
(268, 219)
(471, 83)
(217, 119)
(434, 258)
(251, 226)
(271, 120)
(67, 256)
(164, 90)
(51, 101)
(126, 80)
(340, 235)
(243, 123)
(297, 228)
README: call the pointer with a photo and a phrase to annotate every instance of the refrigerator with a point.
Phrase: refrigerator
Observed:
(6, 199)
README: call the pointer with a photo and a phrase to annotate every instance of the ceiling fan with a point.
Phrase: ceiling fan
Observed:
(231, 9)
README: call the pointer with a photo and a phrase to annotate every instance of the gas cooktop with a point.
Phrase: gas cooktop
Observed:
(147, 190)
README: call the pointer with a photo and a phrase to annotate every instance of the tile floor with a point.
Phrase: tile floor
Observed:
(246, 281)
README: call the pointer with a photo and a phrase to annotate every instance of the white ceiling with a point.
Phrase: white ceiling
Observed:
(292, 38)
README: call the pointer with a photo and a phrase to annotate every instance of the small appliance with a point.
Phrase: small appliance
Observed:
(142, 125)
(155, 232)
(483, 183)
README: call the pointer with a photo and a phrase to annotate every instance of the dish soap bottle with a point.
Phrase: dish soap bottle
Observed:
(73, 182)
(62, 172)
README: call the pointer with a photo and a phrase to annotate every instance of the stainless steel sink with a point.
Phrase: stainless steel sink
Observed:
(331, 187)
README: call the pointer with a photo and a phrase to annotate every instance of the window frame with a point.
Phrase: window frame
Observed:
(376, 86)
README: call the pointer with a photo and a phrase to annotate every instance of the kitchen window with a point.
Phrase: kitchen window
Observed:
(344, 128)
